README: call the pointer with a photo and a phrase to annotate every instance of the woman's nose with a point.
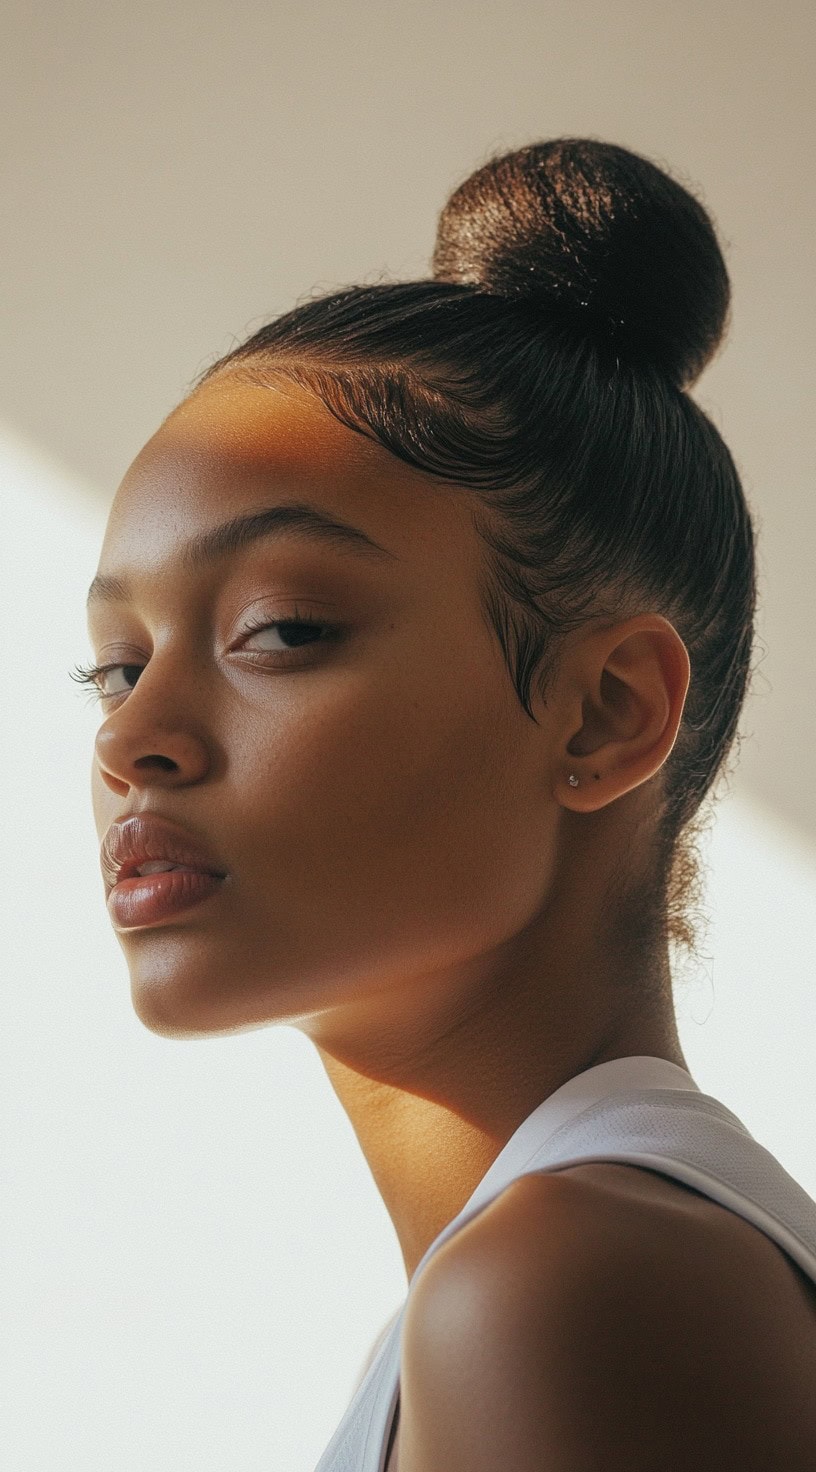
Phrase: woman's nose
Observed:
(148, 740)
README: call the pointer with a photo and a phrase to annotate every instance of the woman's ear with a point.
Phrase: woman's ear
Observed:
(625, 688)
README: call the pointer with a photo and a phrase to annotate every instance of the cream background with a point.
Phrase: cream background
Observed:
(195, 1259)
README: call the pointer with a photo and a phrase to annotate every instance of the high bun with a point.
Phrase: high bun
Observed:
(577, 291)
(593, 232)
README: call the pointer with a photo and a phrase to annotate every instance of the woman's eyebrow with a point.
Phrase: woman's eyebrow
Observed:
(296, 517)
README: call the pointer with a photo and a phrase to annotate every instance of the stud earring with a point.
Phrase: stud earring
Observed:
(573, 780)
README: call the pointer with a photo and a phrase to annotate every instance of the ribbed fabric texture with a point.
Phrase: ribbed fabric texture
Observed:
(637, 1110)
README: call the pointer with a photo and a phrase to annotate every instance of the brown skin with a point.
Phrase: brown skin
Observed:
(413, 882)
(604, 1317)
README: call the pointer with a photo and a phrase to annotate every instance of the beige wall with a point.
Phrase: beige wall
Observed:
(177, 173)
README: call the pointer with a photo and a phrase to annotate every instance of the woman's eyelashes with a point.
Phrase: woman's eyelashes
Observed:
(301, 631)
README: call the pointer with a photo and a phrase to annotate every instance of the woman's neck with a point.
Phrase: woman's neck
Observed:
(435, 1091)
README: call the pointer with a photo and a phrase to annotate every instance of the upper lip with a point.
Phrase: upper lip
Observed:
(131, 842)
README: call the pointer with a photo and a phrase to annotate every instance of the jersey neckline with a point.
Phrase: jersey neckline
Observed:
(581, 1092)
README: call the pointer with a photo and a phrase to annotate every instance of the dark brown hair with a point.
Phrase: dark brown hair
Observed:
(577, 293)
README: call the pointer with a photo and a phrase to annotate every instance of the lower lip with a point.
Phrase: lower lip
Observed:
(145, 899)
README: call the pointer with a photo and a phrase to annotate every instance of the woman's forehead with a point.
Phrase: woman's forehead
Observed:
(235, 450)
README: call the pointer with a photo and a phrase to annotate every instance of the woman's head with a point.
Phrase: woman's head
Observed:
(566, 532)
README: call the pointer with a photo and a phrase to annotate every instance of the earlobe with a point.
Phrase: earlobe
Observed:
(581, 793)
(574, 779)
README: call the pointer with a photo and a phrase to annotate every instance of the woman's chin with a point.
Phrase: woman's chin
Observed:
(173, 1008)
(171, 1017)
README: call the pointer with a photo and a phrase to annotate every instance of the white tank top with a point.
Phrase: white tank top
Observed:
(637, 1110)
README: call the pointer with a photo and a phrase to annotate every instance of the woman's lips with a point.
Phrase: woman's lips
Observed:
(150, 898)
(145, 838)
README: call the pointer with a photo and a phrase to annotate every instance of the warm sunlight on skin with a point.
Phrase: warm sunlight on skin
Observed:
(411, 880)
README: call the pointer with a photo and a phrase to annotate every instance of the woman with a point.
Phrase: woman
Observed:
(424, 624)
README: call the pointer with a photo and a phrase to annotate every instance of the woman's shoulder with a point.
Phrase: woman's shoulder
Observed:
(594, 1214)
(611, 1299)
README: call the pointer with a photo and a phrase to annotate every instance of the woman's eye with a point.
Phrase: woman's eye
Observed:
(94, 674)
(292, 630)
(285, 636)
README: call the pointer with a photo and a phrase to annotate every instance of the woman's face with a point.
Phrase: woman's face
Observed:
(379, 799)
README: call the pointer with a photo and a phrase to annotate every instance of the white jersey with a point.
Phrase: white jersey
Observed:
(638, 1111)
